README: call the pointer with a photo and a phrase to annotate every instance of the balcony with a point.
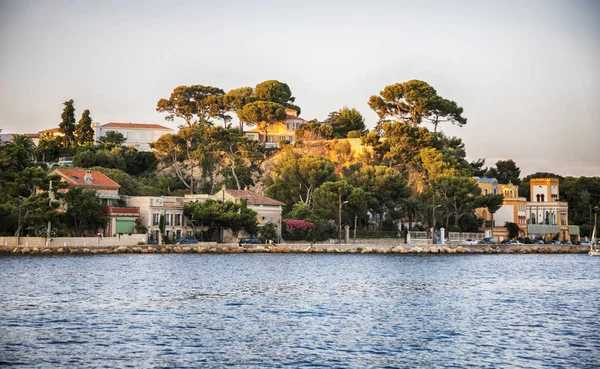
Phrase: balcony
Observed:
(113, 211)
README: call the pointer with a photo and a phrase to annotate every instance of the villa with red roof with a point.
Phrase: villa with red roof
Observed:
(121, 220)
(138, 135)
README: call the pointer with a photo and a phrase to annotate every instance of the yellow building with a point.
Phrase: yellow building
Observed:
(284, 130)
(543, 217)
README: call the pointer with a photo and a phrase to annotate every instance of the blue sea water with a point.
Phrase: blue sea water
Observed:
(300, 310)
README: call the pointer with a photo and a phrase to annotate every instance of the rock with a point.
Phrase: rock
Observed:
(201, 250)
(46, 251)
(86, 251)
(35, 250)
(60, 250)
(178, 249)
(136, 249)
(122, 249)
(95, 251)
(74, 251)
(25, 250)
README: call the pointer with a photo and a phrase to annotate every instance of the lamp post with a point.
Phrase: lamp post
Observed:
(340, 217)
(355, 218)
(49, 222)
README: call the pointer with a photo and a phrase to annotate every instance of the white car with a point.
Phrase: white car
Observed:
(470, 241)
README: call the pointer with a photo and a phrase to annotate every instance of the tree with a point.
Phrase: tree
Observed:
(84, 133)
(492, 203)
(456, 194)
(326, 201)
(412, 102)
(237, 98)
(83, 211)
(263, 114)
(67, 125)
(218, 215)
(268, 232)
(20, 152)
(477, 167)
(513, 230)
(412, 206)
(276, 92)
(505, 171)
(345, 121)
(111, 140)
(194, 104)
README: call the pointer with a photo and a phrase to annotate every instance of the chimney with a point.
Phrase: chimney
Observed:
(88, 177)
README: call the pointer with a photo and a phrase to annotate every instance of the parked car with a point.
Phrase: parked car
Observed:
(489, 241)
(470, 241)
(250, 241)
(567, 242)
(540, 242)
(506, 241)
(555, 242)
(186, 241)
(585, 243)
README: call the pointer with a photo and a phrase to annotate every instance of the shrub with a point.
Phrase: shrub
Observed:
(297, 229)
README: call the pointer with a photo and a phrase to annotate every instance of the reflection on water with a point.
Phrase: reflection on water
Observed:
(262, 310)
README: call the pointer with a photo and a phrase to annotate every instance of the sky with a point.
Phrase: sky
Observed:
(527, 73)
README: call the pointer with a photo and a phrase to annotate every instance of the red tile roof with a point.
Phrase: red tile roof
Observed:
(134, 125)
(76, 178)
(253, 198)
(31, 135)
(49, 130)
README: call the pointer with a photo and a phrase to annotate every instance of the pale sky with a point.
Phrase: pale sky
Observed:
(527, 73)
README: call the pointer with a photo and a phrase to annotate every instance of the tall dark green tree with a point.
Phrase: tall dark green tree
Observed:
(196, 103)
(505, 171)
(83, 213)
(67, 124)
(276, 92)
(84, 133)
(262, 114)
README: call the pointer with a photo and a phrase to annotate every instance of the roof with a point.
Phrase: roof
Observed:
(76, 178)
(134, 126)
(486, 180)
(253, 198)
(50, 130)
(31, 135)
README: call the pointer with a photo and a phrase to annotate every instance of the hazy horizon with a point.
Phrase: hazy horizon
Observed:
(526, 73)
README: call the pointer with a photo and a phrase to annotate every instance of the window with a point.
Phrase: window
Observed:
(262, 218)
(178, 233)
(281, 138)
(168, 219)
(485, 191)
(155, 219)
(271, 219)
(177, 219)
(495, 191)
(291, 138)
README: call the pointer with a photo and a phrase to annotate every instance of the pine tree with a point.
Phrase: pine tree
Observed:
(84, 131)
(67, 125)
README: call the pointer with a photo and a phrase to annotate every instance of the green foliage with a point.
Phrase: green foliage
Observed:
(216, 214)
(505, 171)
(268, 232)
(413, 102)
(490, 201)
(111, 140)
(130, 186)
(262, 114)
(477, 167)
(276, 92)
(583, 195)
(67, 124)
(344, 121)
(84, 133)
(513, 230)
(140, 228)
(327, 202)
(48, 149)
(456, 195)
(194, 104)
(83, 212)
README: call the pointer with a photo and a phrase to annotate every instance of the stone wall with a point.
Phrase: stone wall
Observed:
(213, 247)
(123, 240)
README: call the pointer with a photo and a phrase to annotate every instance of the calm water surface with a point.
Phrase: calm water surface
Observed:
(297, 310)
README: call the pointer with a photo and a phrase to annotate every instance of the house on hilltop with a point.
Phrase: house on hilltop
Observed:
(284, 130)
(138, 135)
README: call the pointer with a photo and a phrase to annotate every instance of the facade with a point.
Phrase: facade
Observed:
(547, 216)
(151, 210)
(138, 135)
(543, 217)
(284, 130)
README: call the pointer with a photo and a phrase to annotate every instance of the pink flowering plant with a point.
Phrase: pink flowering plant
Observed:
(297, 229)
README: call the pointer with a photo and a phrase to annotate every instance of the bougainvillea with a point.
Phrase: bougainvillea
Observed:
(297, 229)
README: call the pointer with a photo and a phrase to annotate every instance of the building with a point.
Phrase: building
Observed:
(284, 130)
(121, 220)
(543, 217)
(138, 135)
(151, 210)
(547, 215)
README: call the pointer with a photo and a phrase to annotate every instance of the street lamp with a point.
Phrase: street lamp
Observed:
(340, 217)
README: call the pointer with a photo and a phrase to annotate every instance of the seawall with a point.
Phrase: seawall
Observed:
(211, 247)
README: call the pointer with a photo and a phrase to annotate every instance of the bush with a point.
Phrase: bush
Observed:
(297, 229)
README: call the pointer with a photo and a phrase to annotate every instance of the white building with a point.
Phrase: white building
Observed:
(152, 207)
(138, 135)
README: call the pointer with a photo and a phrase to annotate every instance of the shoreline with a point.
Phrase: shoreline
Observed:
(214, 248)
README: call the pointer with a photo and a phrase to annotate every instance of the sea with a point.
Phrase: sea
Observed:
(300, 311)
